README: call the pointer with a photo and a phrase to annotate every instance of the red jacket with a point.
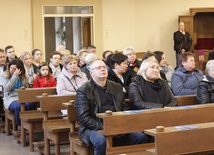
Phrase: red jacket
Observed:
(42, 81)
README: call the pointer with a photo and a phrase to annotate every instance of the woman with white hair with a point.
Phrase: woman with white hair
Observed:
(132, 62)
(205, 91)
(148, 90)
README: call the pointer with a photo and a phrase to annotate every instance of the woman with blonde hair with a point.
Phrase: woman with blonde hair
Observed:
(30, 68)
(71, 77)
(81, 54)
(148, 90)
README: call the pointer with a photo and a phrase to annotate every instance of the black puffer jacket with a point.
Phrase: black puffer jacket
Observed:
(145, 95)
(205, 91)
(88, 104)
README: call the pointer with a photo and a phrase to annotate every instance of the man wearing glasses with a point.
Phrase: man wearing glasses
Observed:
(96, 96)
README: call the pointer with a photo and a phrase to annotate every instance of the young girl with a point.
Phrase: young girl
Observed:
(44, 78)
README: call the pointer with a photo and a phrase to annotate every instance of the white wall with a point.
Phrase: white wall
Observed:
(145, 25)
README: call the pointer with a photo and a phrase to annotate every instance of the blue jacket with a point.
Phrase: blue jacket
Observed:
(184, 82)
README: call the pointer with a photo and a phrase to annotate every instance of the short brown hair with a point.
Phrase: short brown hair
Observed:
(184, 57)
(68, 59)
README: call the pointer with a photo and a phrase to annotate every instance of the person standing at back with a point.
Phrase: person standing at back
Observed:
(182, 41)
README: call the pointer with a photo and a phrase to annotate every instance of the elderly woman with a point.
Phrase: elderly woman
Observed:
(132, 62)
(148, 90)
(205, 92)
(14, 78)
(30, 68)
(186, 78)
(71, 77)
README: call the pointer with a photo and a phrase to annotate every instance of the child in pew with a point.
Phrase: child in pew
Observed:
(14, 78)
(44, 78)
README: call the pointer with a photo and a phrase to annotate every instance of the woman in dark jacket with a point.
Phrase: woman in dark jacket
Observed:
(148, 90)
(119, 71)
(205, 91)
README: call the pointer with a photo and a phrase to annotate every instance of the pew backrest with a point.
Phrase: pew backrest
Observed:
(30, 94)
(186, 100)
(135, 121)
(53, 103)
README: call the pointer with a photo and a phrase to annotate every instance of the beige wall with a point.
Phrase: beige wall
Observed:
(16, 25)
(145, 25)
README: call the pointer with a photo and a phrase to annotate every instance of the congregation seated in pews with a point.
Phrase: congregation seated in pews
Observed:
(95, 97)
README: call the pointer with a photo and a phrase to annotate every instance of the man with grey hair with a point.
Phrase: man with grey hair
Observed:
(88, 60)
(205, 91)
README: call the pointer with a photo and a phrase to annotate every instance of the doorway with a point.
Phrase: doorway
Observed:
(69, 27)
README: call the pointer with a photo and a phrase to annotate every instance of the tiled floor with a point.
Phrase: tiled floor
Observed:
(9, 146)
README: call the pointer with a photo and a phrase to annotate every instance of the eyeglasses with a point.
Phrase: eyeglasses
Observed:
(99, 67)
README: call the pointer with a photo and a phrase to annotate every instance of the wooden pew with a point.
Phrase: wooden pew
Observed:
(127, 122)
(182, 139)
(139, 55)
(55, 130)
(76, 145)
(31, 120)
(186, 100)
(9, 116)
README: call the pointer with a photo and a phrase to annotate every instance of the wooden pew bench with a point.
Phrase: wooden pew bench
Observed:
(182, 100)
(76, 145)
(186, 100)
(31, 120)
(127, 122)
(55, 130)
(185, 139)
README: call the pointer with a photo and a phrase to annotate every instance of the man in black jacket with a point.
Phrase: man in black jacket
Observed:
(182, 41)
(96, 96)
